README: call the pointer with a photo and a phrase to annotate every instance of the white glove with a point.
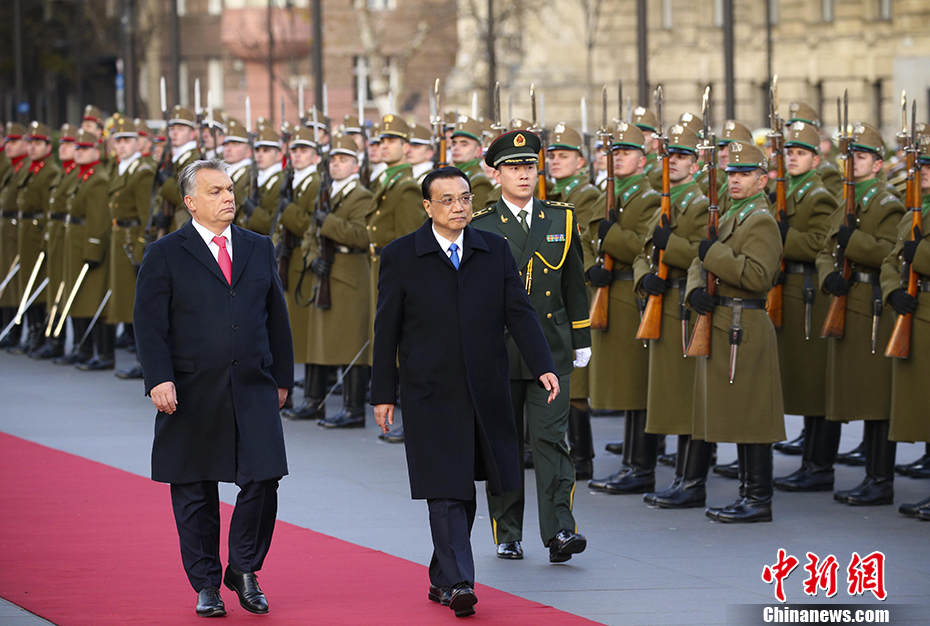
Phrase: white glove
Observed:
(582, 356)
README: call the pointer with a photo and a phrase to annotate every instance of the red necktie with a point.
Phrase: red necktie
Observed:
(223, 258)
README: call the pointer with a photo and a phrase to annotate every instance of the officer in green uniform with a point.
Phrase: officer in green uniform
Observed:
(238, 154)
(129, 194)
(375, 162)
(739, 400)
(620, 364)
(908, 416)
(829, 173)
(336, 336)
(87, 239)
(466, 155)
(16, 151)
(545, 241)
(32, 199)
(858, 383)
(670, 397)
(93, 121)
(182, 131)
(808, 214)
(396, 209)
(213, 134)
(565, 161)
(645, 120)
(56, 293)
(421, 152)
(258, 216)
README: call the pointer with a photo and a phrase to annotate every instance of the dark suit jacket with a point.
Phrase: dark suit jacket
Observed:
(226, 347)
(446, 329)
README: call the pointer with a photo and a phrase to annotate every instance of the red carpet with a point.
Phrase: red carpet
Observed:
(85, 543)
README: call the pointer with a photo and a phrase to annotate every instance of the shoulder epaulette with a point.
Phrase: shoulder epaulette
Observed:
(751, 210)
(650, 192)
(804, 188)
(482, 212)
(144, 166)
(889, 198)
(687, 199)
(559, 205)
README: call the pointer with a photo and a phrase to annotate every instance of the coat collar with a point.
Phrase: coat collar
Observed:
(426, 243)
(242, 249)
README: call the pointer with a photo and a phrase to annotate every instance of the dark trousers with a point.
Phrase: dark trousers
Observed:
(197, 514)
(450, 523)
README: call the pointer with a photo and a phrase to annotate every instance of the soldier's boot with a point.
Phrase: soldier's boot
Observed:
(80, 352)
(821, 444)
(7, 314)
(600, 484)
(614, 447)
(867, 442)
(31, 330)
(131, 373)
(795, 446)
(311, 408)
(879, 466)
(856, 456)
(580, 439)
(691, 492)
(126, 338)
(644, 450)
(727, 470)
(919, 468)
(912, 510)
(712, 512)
(39, 321)
(352, 414)
(680, 457)
(54, 347)
(104, 340)
(756, 504)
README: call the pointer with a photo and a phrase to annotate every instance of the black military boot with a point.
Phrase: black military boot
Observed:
(352, 414)
(31, 333)
(691, 492)
(7, 314)
(80, 352)
(727, 470)
(54, 347)
(644, 450)
(856, 456)
(911, 510)
(919, 468)
(581, 441)
(312, 407)
(600, 484)
(104, 338)
(794, 447)
(126, 338)
(821, 443)
(712, 512)
(131, 373)
(756, 504)
(680, 456)
(39, 321)
(879, 466)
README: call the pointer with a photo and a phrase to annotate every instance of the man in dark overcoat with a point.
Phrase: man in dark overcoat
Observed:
(214, 342)
(446, 292)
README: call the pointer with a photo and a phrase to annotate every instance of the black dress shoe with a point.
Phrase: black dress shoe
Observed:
(245, 584)
(565, 544)
(463, 599)
(910, 510)
(209, 603)
(96, 364)
(855, 457)
(510, 550)
(307, 410)
(632, 482)
(746, 511)
(440, 595)
(729, 470)
(131, 373)
(614, 447)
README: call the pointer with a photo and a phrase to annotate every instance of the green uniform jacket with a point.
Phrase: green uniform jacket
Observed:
(170, 192)
(335, 335)
(481, 185)
(670, 392)
(909, 421)
(296, 218)
(9, 237)
(653, 170)
(619, 361)
(32, 198)
(87, 238)
(832, 178)
(803, 361)
(263, 216)
(551, 265)
(55, 237)
(5, 165)
(745, 261)
(241, 180)
(858, 383)
(129, 206)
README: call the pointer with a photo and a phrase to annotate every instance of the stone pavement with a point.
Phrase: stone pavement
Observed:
(642, 566)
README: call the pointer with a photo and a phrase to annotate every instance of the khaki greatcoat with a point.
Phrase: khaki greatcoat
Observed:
(55, 237)
(296, 218)
(32, 200)
(87, 238)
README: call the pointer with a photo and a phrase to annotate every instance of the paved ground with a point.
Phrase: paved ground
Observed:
(642, 566)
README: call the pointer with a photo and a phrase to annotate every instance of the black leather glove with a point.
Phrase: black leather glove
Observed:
(287, 193)
(281, 251)
(783, 226)
(836, 284)
(703, 247)
(702, 302)
(653, 285)
(248, 207)
(602, 229)
(902, 302)
(846, 231)
(321, 267)
(599, 277)
(661, 233)
(161, 221)
(320, 216)
(163, 174)
(910, 247)
(92, 265)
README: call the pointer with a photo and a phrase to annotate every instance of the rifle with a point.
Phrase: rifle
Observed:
(899, 346)
(439, 131)
(288, 240)
(703, 327)
(650, 326)
(835, 323)
(164, 164)
(198, 114)
(322, 298)
(600, 303)
(773, 302)
(254, 192)
(541, 131)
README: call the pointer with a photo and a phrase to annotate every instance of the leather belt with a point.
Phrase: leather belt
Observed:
(924, 287)
(31, 216)
(9, 215)
(77, 221)
(623, 274)
(59, 217)
(127, 223)
(863, 277)
(751, 303)
(792, 267)
(347, 250)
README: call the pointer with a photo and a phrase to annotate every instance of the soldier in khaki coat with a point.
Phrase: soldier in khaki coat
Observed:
(620, 362)
(908, 376)
(238, 154)
(740, 400)
(32, 199)
(809, 209)
(466, 155)
(858, 383)
(339, 334)
(670, 397)
(829, 173)
(130, 191)
(15, 150)
(645, 120)
(182, 131)
(421, 152)
(258, 214)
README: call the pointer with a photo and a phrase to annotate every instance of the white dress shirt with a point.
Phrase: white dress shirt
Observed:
(445, 244)
(516, 210)
(208, 236)
(177, 153)
(125, 163)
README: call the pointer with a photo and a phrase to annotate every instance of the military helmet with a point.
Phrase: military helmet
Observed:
(800, 112)
(86, 139)
(420, 135)
(394, 126)
(68, 133)
(566, 138)
(644, 119)
(124, 127)
(745, 157)
(14, 130)
(350, 125)
(266, 136)
(93, 114)
(235, 131)
(682, 140)
(344, 144)
(802, 135)
(182, 116)
(39, 131)
(304, 136)
(866, 138)
(514, 148)
(734, 131)
(468, 127)
(628, 135)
